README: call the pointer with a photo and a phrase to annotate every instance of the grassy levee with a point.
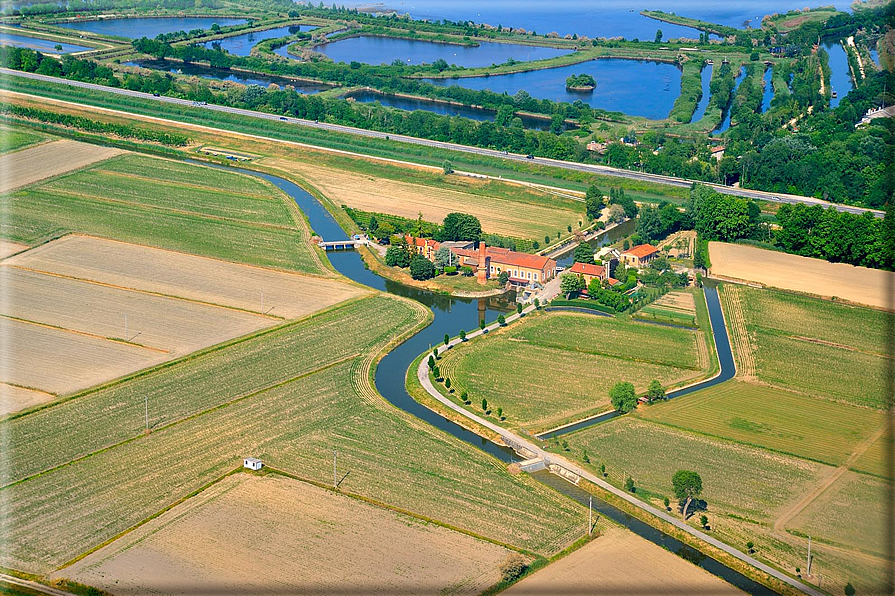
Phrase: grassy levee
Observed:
(332, 140)
(806, 344)
(691, 92)
(189, 386)
(772, 418)
(294, 426)
(13, 139)
(165, 204)
(553, 368)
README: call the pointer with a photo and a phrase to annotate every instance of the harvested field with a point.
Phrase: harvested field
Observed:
(187, 276)
(176, 327)
(771, 418)
(165, 204)
(10, 248)
(806, 344)
(679, 301)
(28, 166)
(13, 399)
(620, 562)
(255, 520)
(532, 215)
(861, 285)
(318, 406)
(577, 359)
(58, 361)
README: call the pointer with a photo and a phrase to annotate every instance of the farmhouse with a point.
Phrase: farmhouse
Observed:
(640, 255)
(589, 272)
(523, 268)
(422, 246)
(717, 152)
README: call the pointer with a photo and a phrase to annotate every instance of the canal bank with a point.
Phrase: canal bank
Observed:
(451, 315)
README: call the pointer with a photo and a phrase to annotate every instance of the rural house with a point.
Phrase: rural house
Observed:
(640, 255)
(589, 272)
(252, 463)
(422, 246)
(523, 268)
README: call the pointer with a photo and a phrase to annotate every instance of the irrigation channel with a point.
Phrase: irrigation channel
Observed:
(452, 315)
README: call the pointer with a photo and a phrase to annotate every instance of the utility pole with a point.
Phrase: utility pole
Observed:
(125, 326)
(262, 301)
(146, 404)
(335, 478)
(590, 515)
(809, 557)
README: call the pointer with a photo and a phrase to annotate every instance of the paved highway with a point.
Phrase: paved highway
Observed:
(596, 169)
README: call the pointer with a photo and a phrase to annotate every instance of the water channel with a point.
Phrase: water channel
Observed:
(840, 77)
(768, 91)
(706, 75)
(725, 121)
(42, 45)
(635, 87)
(451, 315)
(148, 27)
(372, 49)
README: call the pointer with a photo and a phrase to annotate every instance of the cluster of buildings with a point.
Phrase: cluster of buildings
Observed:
(489, 262)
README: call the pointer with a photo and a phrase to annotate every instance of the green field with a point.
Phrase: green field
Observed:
(553, 368)
(877, 458)
(816, 346)
(12, 139)
(771, 418)
(165, 204)
(295, 410)
(651, 453)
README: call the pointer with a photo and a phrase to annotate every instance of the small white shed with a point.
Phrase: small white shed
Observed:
(252, 463)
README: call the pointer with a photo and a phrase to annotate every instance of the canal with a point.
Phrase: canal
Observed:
(452, 315)
(138, 27)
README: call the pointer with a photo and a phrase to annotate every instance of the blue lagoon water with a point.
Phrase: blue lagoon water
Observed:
(637, 88)
(241, 45)
(840, 78)
(874, 55)
(706, 93)
(149, 27)
(597, 18)
(768, 94)
(41, 45)
(385, 50)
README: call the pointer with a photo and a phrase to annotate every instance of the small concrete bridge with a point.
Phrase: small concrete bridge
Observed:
(349, 244)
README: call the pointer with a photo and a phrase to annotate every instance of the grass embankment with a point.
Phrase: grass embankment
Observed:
(522, 171)
(554, 368)
(659, 15)
(290, 397)
(168, 205)
(691, 92)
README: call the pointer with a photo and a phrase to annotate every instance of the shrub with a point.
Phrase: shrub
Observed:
(397, 256)
(450, 270)
(421, 268)
(513, 568)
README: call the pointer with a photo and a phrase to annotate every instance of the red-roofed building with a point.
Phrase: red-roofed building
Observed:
(522, 268)
(589, 272)
(422, 246)
(640, 255)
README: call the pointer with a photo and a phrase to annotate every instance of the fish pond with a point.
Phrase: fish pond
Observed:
(241, 45)
(148, 27)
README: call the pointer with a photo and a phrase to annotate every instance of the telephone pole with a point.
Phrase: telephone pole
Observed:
(335, 478)
(808, 570)
(590, 515)
(146, 404)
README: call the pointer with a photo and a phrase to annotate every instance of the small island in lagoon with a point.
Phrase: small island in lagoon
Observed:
(582, 82)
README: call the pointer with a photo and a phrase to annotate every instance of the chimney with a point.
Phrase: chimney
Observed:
(482, 272)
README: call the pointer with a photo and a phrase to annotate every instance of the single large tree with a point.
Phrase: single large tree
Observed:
(584, 253)
(571, 283)
(593, 201)
(459, 226)
(623, 397)
(687, 486)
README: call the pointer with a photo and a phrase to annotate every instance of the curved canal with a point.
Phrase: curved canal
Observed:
(452, 315)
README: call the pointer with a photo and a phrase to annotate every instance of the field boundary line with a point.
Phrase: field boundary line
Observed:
(192, 416)
(33, 585)
(608, 355)
(35, 389)
(144, 292)
(185, 358)
(116, 340)
(58, 175)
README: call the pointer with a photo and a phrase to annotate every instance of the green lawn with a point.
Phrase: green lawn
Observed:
(170, 205)
(293, 425)
(772, 418)
(553, 368)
